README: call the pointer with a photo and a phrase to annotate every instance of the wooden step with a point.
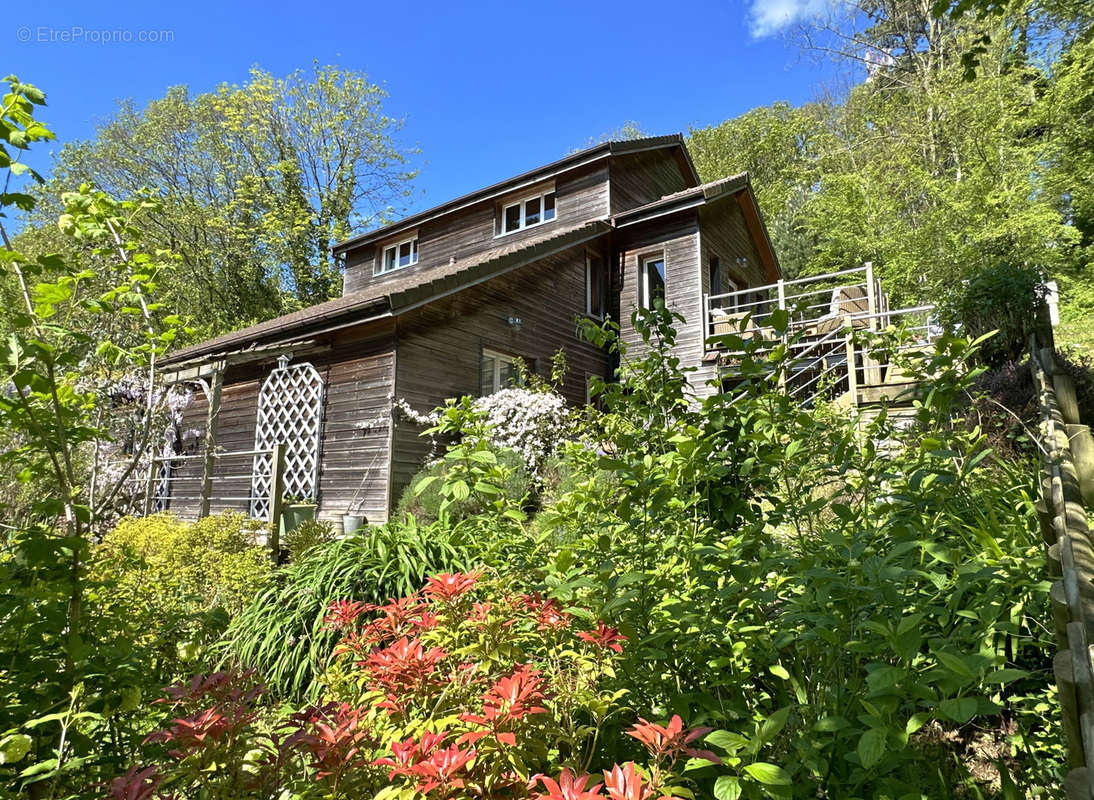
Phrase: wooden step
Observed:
(889, 393)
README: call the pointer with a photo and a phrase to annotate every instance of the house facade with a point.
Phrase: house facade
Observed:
(439, 305)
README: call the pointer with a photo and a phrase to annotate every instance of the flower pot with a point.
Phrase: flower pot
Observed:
(351, 523)
(292, 514)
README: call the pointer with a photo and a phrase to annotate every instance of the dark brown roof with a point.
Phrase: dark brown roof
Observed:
(571, 161)
(396, 295)
(738, 185)
(694, 195)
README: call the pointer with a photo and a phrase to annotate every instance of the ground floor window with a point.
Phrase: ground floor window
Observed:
(498, 371)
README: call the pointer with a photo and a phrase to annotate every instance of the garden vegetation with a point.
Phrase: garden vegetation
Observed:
(725, 597)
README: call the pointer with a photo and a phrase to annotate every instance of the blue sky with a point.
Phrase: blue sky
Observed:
(487, 90)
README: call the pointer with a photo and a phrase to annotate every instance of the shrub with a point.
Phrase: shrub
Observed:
(457, 691)
(179, 581)
(529, 422)
(425, 504)
(281, 633)
(1005, 297)
(839, 594)
(308, 534)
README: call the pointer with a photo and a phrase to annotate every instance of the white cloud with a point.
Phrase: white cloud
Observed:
(768, 17)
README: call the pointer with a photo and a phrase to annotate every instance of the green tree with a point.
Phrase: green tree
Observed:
(81, 327)
(780, 148)
(930, 174)
(257, 182)
(1067, 117)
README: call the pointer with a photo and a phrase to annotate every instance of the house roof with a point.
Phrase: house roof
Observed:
(686, 198)
(696, 196)
(580, 158)
(394, 296)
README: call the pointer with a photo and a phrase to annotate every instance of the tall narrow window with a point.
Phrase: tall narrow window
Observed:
(734, 301)
(596, 286)
(715, 275)
(653, 281)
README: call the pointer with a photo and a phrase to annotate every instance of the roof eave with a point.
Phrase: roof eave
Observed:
(573, 161)
(376, 308)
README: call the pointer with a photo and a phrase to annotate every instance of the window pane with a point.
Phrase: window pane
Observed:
(404, 254)
(596, 287)
(549, 207)
(512, 218)
(389, 259)
(531, 211)
(414, 253)
(655, 281)
(486, 379)
(508, 375)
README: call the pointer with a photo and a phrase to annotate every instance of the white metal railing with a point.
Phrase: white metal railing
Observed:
(817, 300)
(172, 485)
(834, 363)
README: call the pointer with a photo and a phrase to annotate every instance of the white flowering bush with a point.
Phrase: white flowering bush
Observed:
(531, 423)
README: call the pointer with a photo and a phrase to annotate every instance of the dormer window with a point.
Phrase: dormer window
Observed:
(527, 212)
(398, 255)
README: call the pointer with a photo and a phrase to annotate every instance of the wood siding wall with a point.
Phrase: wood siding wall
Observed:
(724, 233)
(580, 196)
(641, 178)
(358, 370)
(688, 241)
(355, 461)
(439, 345)
(677, 239)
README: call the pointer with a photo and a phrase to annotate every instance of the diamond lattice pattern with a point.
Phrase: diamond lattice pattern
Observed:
(290, 411)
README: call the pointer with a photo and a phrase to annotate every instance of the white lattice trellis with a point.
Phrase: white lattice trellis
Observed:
(290, 411)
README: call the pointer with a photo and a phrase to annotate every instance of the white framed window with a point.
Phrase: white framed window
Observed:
(528, 212)
(498, 371)
(596, 285)
(652, 276)
(398, 255)
(733, 302)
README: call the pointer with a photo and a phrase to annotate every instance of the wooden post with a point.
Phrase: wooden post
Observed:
(209, 462)
(149, 482)
(1044, 519)
(708, 322)
(852, 370)
(277, 488)
(1057, 598)
(1077, 784)
(1064, 673)
(1065, 398)
(1082, 453)
(871, 295)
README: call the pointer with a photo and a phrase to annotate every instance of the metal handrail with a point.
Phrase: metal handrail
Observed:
(215, 454)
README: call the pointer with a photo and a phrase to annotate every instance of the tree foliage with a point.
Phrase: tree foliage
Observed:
(931, 171)
(256, 183)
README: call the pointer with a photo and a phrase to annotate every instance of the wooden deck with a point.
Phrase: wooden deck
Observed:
(821, 321)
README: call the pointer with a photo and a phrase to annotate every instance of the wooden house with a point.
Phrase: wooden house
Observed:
(438, 305)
